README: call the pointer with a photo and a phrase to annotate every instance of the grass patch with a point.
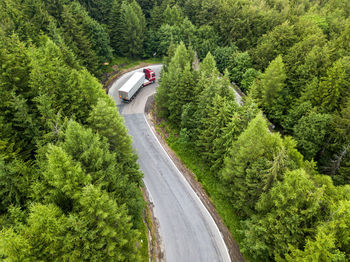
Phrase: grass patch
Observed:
(144, 243)
(191, 159)
(143, 239)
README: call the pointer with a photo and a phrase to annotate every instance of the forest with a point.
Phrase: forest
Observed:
(69, 180)
(289, 187)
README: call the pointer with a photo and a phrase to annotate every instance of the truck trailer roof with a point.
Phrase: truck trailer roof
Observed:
(132, 81)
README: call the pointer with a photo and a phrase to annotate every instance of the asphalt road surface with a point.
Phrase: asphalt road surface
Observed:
(187, 230)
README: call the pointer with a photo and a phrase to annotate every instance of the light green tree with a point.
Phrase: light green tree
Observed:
(101, 230)
(285, 216)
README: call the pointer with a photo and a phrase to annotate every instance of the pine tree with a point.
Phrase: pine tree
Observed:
(101, 230)
(287, 214)
(15, 180)
(334, 88)
(237, 124)
(181, 95)
(245, 171)
(113, 25)
(106, 121)
(272, 82)
(219, 115)
(312, 132)
(98, 10)
(331, 241)
(206, 89)
(132, 29)
(60, 87)
(170, 80)
(239, 63)
(62, 179)
(173, 15)
(41, 238)
(17, 113)
(92, 151)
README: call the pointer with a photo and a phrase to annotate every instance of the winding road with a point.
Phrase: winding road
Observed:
(188, 231)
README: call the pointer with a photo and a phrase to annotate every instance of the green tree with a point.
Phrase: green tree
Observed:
(63, 89)
(219, 115)
(171, 79)
(274, 43)
(334, 88)
(101, 230)
(182, 94)
(286, 215)
(41, 238)
(62, 179)
(15, 180)
(257, 160)
(312, 132)
(132, 29)
(272, 82)
(19, 122)
(222, 56)
(74, 19)
(236, 125)
(270, 90)
(206, 40)
(248, 78)
(98, 10)
(238, 65)
(106, 121)
(173, 15)
(113, 25)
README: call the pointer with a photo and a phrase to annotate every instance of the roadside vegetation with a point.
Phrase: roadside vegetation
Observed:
(276, 203)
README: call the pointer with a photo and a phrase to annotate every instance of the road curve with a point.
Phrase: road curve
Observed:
(187, 230)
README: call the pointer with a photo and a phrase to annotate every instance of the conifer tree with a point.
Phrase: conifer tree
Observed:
(312, 131)
(287, 214)
(113, 25)
(106, 121)
(92, 151)
(182, 94)
(62, 179)
(101, 230)
(170, 81)
(219, 116)
(20, 127)
(237, 124)
(41, 238)
(15, 180)
(330, 242)
(333, 89)
(73, 17)
(132, 29)
(247, 167)
(272, 82)
(65, 90)
(206, 89)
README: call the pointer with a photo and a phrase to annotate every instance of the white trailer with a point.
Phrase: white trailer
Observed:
(130, 88)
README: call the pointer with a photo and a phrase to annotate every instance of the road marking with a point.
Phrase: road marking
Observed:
(191, 190)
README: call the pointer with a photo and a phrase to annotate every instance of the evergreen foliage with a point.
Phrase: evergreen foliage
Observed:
(132, 29)
(69, 177)
(64, 148)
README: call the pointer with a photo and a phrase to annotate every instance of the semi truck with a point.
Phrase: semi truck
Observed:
(138, 80)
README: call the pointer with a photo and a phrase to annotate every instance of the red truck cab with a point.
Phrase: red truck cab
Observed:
(150, 75)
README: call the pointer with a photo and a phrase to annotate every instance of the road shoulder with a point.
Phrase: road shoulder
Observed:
(231, 244)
